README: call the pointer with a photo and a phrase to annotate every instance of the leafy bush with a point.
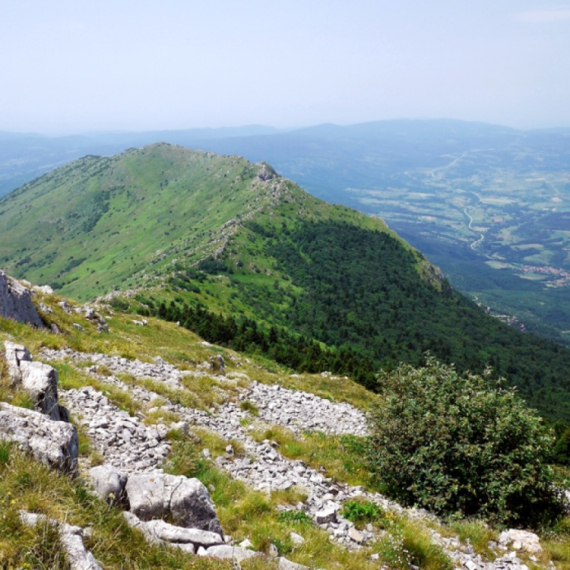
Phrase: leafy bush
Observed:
(361, 513)
(456, 444)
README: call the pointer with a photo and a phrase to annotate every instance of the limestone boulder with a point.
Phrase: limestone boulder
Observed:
(16, 302)
(40, 381)
(185, 501)
(52, 442)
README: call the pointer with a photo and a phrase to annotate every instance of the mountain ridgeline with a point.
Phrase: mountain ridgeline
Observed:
(249, 259)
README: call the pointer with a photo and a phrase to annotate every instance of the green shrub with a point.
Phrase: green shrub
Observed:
(456, 444)
(361, 513)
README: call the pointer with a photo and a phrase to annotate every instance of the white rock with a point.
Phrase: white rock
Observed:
(108, 483)
(187, 501)
(355, 535)
(225, 551)
(14, 355)
(51, 442)
(296, 539)
(40, 381)
(284, 564)
(524, 540)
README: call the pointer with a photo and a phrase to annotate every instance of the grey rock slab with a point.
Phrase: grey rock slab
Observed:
(16, 302)
(172, 533)
(52, 442)
(225, 551)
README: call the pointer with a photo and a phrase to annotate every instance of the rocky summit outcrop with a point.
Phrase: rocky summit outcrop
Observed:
(16, 302)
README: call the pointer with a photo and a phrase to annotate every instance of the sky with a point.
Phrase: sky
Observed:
(70, 66)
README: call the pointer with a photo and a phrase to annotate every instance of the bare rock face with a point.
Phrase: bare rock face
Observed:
(16, 302)
(52, 442)
(186, 501)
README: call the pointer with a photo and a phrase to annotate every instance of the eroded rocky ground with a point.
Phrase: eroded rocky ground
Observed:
(127, 443)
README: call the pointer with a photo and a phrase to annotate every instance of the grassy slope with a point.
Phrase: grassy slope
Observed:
(244, 513)
(136, 219)
(117, 218)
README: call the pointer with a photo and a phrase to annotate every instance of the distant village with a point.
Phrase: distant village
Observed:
(562, 276)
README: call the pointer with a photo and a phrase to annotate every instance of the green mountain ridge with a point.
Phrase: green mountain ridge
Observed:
(187, 229)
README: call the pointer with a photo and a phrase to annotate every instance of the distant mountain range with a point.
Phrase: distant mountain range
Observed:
(249, 259)
(488, 204)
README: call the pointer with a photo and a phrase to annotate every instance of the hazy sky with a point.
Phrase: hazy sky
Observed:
(83, 65)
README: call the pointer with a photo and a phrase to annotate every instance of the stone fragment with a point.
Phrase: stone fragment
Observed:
(186, 501)
(16, 302)
(218, 364)
(54, 443)
(109, 484)
(178, 534)
(285, 564)
(225, 552)
(355, 535)
(45, 289)
(325, 516)
(14, 355)
(296, 539)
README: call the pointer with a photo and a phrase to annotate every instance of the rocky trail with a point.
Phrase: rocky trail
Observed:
(129, 445)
